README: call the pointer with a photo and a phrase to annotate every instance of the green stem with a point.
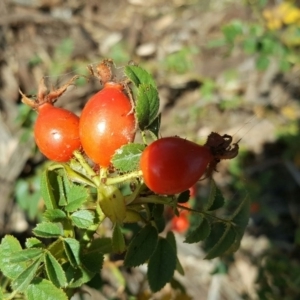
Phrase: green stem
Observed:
(153, 199)
(203, 213)
(103, 174)
(87, 167)
(123, 178)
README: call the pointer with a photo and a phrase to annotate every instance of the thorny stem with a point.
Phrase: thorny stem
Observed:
(203, 213)
(87, 167)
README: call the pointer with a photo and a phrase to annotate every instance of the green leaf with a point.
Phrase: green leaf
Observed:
(147, 105)
(79, 276)
(183, 197)
(112, 203)
(162, 265)
(103, 245)
(83, 218)
(240, 219)
(118, 241)
(92, 258)
(61, 181)
(199, 233)
(241, 215)
(23, 280)
(139, 76)
(215, 199)
(25, 255)
(54, 215)
(54, 271)
(76, 196)
(10, 245)
(34, 243)
(155, 126)
(220, 240)
(72, 249)
(77, 177)
(47, 180)
(171, 239)
(127, 158)
(48, 230)
(44, 289)
(141, 246)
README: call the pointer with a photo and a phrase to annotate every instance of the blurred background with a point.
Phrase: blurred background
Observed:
(229, 66)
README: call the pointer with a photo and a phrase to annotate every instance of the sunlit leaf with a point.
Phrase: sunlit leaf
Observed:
(147, 105)
(48, 230)
(83, 218)
(34, 243)
(23, 280)
(76, 196)
(139, 76)
(44, 289)
(48, 179)
(127, 158)
(25, 255)
(72, 249)
(54, 270)
(54, 215)
(155, 126)
(10, 245)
